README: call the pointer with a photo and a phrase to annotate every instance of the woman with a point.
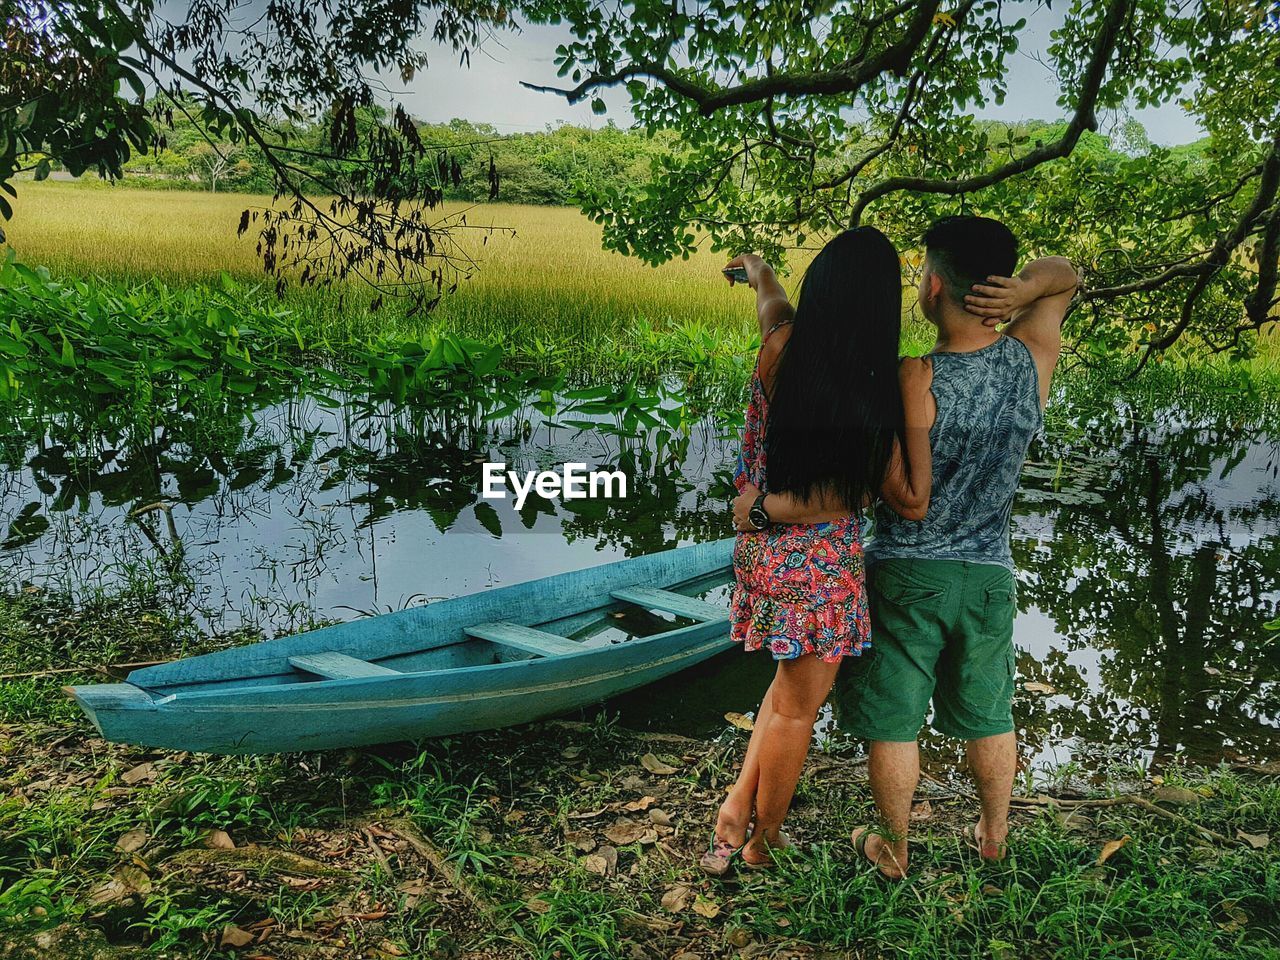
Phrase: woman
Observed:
(826, 417)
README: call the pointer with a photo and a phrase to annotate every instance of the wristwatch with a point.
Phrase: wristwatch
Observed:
(758, 516)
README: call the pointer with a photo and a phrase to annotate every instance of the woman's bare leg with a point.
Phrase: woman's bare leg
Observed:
(796, 695)
(735, 811)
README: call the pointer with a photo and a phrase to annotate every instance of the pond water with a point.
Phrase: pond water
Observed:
(1146, 537)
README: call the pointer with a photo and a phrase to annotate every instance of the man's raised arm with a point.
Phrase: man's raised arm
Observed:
(1035, 303)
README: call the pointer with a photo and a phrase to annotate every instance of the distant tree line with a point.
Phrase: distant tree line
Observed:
(542, 167)
(555, 166)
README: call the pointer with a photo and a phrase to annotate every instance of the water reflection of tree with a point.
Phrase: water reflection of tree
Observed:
(295, 458)
(1147, 558)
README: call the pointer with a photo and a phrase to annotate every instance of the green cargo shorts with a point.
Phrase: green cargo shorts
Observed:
(941, 630)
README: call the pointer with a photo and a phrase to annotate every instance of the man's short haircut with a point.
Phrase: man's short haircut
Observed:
(966, 250)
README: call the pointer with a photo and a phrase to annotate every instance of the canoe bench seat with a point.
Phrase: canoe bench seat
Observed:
(338, 666)
(690, 607)
(526, 639)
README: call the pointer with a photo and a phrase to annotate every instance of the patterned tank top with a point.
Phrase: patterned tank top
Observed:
(988, 411)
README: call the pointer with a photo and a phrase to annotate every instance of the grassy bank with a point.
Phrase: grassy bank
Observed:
(567, 840)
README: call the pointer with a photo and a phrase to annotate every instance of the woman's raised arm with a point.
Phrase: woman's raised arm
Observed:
(772, 305)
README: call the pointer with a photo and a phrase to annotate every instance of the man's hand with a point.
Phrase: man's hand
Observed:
(742, 506)
(997, 300)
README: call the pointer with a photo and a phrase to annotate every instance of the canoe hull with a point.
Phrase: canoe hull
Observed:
(417, 706)
(252, 699)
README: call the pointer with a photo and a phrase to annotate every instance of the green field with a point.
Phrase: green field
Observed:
(548, 287)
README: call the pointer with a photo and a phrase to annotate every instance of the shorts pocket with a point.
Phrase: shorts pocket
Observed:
(897, 585)
(999, 606)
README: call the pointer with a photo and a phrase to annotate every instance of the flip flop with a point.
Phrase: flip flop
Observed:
(971, 837)
(859, 838)
(720, 856)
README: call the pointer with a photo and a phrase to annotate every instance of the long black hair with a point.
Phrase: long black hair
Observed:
(836, 404)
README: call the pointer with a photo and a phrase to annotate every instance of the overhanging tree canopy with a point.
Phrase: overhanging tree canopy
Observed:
(798, 118)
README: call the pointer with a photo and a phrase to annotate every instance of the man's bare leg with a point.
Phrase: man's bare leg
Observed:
(894, 769)
(993, 762)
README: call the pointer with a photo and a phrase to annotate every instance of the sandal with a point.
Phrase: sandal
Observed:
(1001, 847)
(859, 838)
(720, 856)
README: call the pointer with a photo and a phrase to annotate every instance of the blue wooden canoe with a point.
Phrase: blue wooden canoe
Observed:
(479, 662)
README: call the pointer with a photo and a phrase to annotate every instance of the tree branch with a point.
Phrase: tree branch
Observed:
(847, 78)
(1083, 119)
(913, 85)
(1227, 243)
(1259, 303)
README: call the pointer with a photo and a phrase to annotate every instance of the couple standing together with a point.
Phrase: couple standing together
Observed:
(837, 423)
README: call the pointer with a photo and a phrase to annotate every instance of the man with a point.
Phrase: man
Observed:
(942, 588)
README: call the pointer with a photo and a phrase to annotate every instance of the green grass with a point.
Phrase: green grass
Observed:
(506, 881)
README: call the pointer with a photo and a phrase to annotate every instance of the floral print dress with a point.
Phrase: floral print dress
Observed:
(800, 588)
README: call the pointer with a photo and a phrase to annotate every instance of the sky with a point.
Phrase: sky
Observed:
(489, 90)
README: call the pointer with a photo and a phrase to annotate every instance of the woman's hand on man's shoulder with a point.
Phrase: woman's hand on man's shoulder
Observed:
(915, 379)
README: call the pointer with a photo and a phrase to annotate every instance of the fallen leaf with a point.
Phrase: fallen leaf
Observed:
(1034, 687)
(1109, 849)
(603, 862)
(584, 841)
(660, 817)
(113, 891)
(135, 839)
(656, 766)
(537, 905)
(135, 878)
(1258, 841)
(676, 899)
(740, 721)
(706, 908)
(782, 922)
(644, 803)
(1178, 796)
(390, 949)
(922, 811)
(233, 936)
(1074, 821)
(219, 840)
(142, 773)
(624, 831)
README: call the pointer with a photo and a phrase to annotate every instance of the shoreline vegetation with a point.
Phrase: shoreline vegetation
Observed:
(543, 289)
(573, 839)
